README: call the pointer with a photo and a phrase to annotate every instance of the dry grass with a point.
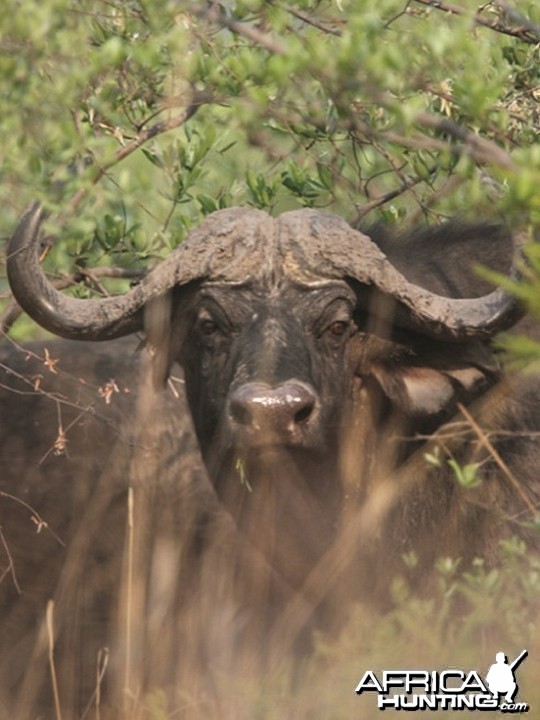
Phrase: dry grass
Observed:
(160, 609)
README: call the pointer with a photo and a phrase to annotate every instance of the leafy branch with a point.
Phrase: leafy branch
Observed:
(198, 99)
(527, 31)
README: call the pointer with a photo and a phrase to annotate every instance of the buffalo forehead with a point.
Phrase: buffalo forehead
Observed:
(320, 245)
(306, 246)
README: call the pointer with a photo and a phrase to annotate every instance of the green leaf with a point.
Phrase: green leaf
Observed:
(325, 176)
(207, 203)
(466, 475)
(240, 468)
(434, 458)
(153, 157)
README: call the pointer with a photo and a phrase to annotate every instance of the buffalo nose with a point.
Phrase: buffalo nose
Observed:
(281, 412)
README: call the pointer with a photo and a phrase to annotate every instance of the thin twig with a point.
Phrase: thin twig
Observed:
(310, 20)
(219, 16)
(449, 187)
(35, 389)
(36, 517)
(484, 440)
(382, 199)
(101, 668)
(11, 565)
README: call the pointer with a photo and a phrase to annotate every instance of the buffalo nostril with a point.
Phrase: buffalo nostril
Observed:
(239, 409)
(304, 413)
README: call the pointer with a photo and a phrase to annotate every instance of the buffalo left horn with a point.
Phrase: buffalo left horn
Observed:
(325, 244)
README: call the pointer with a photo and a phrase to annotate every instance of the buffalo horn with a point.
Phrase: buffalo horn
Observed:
(327, 245)
(207, 249)
(236, 245)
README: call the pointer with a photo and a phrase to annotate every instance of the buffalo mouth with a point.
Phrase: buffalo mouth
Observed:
(269, 456)
(273, 470)
(285, 502)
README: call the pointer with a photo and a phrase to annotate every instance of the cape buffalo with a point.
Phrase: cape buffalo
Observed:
(320, 367)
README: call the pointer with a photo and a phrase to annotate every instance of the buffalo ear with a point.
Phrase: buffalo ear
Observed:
(426, 391)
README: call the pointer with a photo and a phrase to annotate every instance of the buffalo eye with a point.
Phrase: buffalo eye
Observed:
(208, 327)
(338, 327)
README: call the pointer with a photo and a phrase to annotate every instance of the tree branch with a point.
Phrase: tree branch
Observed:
(250, 32)
(481, 149)
(198, 99)
(218, 16)
(516, 17)
(367, 207)
(13, 310)
(527, 31)
(309, 20)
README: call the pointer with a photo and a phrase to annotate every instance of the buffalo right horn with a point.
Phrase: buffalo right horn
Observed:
(210, 250)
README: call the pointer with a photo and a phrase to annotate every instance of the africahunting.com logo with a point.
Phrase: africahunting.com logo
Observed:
(447, 689)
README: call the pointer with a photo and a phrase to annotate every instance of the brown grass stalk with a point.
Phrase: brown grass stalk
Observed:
(52, 667)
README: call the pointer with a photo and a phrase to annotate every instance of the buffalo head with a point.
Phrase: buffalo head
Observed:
(281, 325)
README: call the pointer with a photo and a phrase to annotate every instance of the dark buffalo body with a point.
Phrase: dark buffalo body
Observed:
(316, 362)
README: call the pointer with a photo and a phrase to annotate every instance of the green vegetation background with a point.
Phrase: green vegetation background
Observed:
(377, 110)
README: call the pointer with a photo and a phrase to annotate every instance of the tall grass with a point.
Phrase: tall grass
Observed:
(160, 608)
